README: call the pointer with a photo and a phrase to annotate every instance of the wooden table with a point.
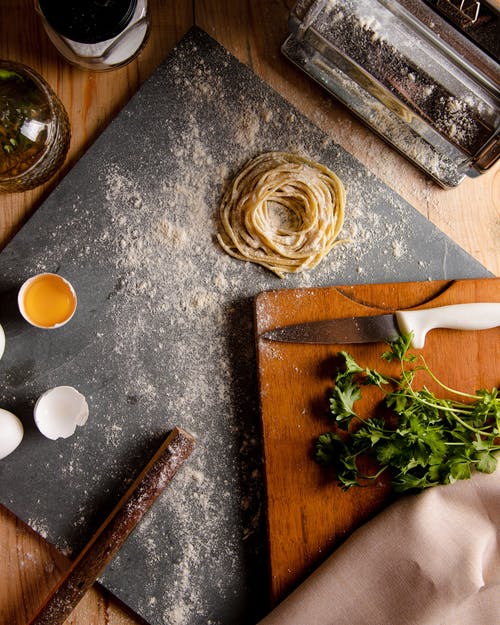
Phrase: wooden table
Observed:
(253, 31)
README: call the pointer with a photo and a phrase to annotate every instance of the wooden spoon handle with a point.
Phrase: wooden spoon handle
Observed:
(86, 568)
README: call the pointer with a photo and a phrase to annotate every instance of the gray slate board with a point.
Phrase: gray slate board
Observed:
(163, 332)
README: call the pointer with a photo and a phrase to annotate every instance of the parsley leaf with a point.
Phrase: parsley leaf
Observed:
(344, 395)
(422, 440)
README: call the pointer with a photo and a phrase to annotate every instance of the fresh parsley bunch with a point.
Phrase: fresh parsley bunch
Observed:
(421, 440)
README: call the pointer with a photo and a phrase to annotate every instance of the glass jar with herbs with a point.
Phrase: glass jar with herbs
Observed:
(34, 128)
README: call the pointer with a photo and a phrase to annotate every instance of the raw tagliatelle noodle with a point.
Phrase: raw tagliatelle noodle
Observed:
(283, 212)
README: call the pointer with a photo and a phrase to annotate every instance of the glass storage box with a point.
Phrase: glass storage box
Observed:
(418, 80)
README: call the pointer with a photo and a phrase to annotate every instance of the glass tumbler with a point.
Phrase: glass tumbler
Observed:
(96, 35)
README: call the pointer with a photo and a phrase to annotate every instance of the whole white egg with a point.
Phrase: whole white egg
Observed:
(11, 432)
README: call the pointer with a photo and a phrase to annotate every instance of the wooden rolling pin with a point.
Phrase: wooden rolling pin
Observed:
(108, 539)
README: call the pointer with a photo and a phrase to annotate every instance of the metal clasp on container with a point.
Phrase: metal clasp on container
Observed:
(462, 12)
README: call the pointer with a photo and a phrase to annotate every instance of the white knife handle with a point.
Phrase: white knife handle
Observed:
(455, 317)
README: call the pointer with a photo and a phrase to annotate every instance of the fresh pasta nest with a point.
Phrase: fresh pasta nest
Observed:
(283, 212)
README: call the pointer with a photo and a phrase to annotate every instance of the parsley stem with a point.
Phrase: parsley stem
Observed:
(374, 476)
(451, 410)
(442, 385)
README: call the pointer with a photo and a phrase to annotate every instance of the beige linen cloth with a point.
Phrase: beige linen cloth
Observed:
(428, 559)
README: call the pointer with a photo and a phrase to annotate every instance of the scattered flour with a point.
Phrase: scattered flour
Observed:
(178, 337)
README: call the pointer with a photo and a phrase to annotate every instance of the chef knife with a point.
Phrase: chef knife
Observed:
(388, 327)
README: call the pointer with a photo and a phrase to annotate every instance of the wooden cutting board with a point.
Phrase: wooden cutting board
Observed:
(308, 514)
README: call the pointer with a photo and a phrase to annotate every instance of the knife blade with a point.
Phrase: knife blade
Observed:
(388, 327)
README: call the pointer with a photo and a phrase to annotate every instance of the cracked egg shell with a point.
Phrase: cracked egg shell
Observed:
(11, 432)
(2, 341)
(59, 410)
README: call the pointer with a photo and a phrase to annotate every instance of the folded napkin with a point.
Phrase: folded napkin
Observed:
(428, 559)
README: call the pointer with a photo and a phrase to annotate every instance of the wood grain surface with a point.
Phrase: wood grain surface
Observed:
(308, 514)
(253, 31)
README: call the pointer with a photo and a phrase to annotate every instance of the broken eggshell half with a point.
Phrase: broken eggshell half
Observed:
(59, 410)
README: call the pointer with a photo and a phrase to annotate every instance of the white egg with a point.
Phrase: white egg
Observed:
(2, 341)
(59, 410)
(11, 432)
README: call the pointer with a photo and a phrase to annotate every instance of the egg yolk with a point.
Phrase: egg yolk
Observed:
(49, 300)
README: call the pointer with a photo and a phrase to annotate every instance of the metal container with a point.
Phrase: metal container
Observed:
(424, 85)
